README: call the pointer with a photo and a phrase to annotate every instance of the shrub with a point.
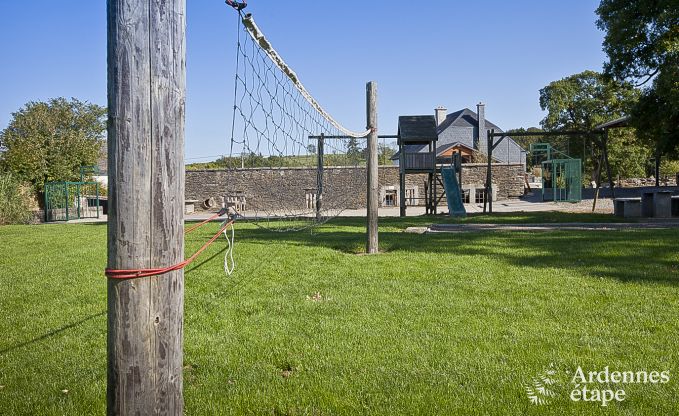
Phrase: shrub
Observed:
(669, 168)
(15, 201)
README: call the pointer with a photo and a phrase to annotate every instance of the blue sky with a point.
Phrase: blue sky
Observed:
(422, 54)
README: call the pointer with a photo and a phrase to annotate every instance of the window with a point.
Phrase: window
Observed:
(480, 196)
(465, 196)
(390, 199)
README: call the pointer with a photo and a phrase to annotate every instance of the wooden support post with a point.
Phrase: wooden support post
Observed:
(597, 179)
(656, 172)
(458, 166)
(488, 197)
(373, 179)
(146, 95)
(320, 149)
(608, 165)
(402, 183)
(433, 180)
(426, 195)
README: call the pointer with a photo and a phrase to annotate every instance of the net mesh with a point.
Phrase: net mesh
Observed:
(284, 177)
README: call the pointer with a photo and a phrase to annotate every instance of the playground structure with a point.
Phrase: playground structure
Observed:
(65, 201)
(561, 177)
(564, 180)
(452, 184)
(417, 139)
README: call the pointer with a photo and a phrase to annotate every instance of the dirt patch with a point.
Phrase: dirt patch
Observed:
(318, 297)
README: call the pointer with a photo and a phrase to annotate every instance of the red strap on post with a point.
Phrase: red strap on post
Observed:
(137, 273)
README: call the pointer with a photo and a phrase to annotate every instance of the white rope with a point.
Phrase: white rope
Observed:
(228, 257)
(263, 43)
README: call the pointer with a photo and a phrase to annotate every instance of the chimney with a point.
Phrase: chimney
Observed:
(481, 116)
(440, 114)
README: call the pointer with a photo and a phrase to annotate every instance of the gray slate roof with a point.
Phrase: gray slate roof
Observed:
(464, 118)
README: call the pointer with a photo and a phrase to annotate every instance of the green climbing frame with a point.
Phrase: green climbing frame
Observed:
(65, 201)
(561, 178)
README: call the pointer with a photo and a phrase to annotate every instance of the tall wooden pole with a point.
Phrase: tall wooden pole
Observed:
(373, 180)
(146, 94)
(488, 198)
(320, 150)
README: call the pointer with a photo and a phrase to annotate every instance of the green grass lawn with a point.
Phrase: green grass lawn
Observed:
(437, 324)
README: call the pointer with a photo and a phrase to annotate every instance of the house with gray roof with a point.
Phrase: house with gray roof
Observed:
(458, 132)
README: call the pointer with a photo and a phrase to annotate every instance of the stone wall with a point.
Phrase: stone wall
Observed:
(508, 180)
(637, 182)
(285, 189)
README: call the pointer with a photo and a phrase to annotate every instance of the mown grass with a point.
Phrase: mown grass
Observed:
(436, 324)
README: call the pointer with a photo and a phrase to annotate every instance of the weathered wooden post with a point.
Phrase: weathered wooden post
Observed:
(489, 193)
(320, 149)
(146, 94)
(402, 178)
(373, 179)
(488, 198)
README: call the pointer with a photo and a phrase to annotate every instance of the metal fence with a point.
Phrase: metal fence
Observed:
(66, 201)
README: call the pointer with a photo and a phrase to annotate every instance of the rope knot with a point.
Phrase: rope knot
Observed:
(238, 5)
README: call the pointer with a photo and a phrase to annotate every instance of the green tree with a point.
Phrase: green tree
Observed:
(385, 152)
(49, 141)
(584, 101)
(526, 141)
(642, 44)
(354, 152)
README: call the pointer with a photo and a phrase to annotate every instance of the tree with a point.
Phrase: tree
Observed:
(385, 152)
(642, 44)
(526, 141)
(49, 141)
(354, 153)
(584, 101)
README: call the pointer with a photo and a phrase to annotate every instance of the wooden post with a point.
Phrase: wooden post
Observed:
(488, 198)
(146, 95)
(402, 180)
(608, 165)
(319, 177)
(434, 190)
(458, 166)
(656, 171)
(373, 180)
(597, 179)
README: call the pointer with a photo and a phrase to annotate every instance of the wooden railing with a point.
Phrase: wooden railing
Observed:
(419, 160)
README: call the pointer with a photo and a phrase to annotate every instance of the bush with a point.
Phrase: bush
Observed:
(669, 168)
(15, 201)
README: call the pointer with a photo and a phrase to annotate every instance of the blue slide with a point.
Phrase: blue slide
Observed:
(455, 205)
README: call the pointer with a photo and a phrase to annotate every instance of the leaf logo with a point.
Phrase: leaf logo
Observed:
(539, 390)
